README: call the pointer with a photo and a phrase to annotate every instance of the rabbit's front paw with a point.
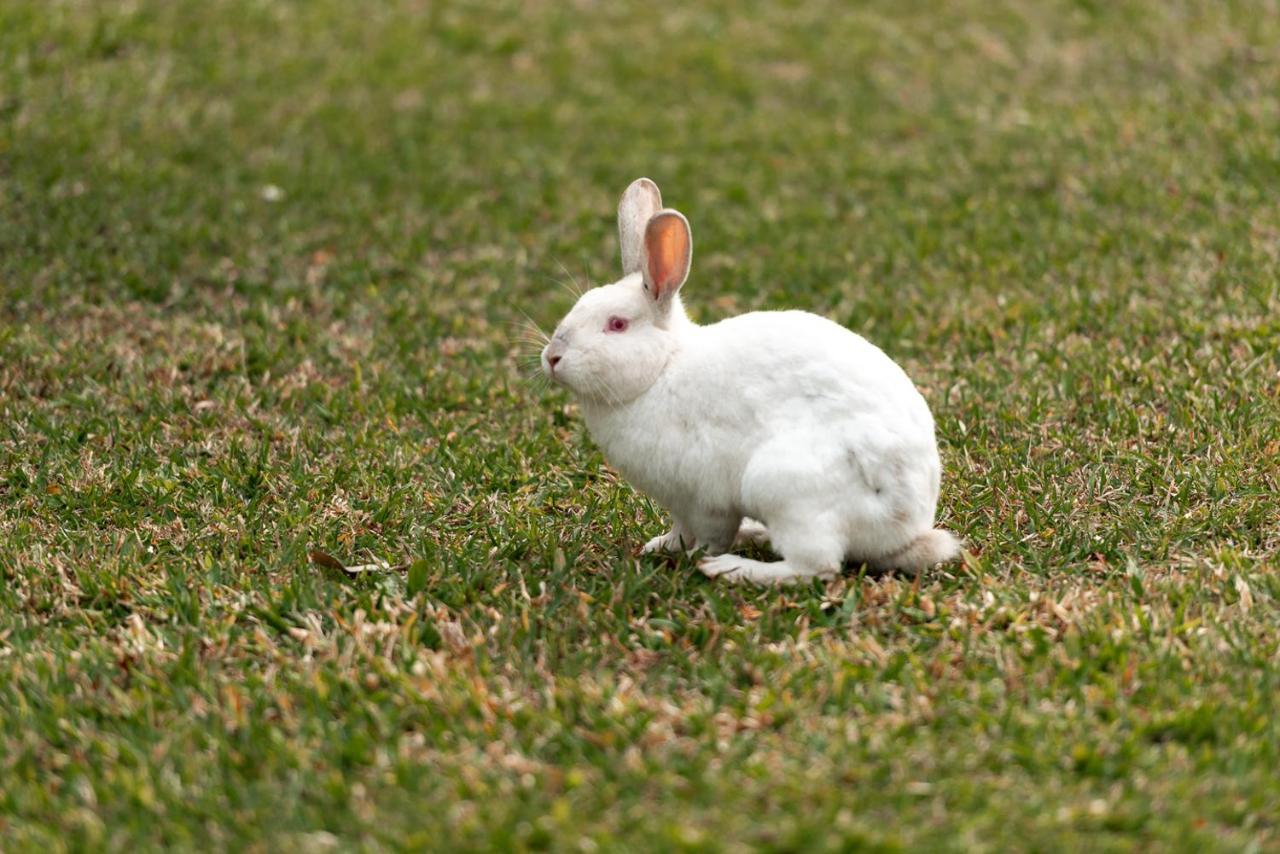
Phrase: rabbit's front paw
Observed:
(670, 542)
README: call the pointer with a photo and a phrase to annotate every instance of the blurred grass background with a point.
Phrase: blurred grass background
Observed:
(263, 265)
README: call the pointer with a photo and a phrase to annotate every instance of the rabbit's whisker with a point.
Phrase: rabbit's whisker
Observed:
(577, 290)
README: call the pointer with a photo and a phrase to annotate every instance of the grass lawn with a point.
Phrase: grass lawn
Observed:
(264, 267)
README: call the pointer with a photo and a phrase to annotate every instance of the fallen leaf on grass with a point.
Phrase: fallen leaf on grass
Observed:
(387, 577)
(328, 561)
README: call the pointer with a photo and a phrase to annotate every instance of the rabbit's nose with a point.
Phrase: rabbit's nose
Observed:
(554, 352)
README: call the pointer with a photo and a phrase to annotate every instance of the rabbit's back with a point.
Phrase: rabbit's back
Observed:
(776, 368)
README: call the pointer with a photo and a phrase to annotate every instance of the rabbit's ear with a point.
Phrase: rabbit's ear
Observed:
(639, 203)
(668, 249)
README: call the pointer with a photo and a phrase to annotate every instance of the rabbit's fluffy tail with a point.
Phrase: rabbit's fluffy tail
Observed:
(929, 549)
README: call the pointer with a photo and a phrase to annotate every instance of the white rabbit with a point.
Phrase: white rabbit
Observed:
(779, 416)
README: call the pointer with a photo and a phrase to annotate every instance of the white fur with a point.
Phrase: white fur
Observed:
(783, 417)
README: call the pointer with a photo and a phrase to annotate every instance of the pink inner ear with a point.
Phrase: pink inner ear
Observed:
(666, 243)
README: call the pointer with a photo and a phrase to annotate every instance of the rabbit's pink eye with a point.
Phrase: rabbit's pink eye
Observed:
(616, 324)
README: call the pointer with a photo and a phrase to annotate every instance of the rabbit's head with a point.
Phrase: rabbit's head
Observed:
(615, 342)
